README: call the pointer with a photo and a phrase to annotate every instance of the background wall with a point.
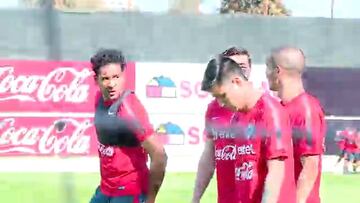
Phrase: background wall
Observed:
(32, 34)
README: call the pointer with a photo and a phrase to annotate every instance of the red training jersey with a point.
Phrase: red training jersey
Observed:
(217, 121)
(350, 141)
(263, 134)
(123, 169)
(308, 127)
(340, 139)
(357, 142)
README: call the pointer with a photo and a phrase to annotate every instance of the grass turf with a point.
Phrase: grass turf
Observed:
(177, 188)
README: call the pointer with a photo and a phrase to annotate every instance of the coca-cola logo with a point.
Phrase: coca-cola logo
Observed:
(105, 150)
(62, 84)
(70, 139)
(245, 172)
(226, 153)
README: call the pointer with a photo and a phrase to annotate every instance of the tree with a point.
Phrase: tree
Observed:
(259, 7)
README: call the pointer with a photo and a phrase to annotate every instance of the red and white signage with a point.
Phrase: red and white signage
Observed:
(34, 95)
(172, 88)
(47, 136)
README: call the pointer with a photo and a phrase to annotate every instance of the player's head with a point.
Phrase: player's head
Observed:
(283, 63)
(351, 129)
(226, 81)
(241, 56)
(108, 66)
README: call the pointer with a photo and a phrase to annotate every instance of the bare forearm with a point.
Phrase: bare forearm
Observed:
(157, 173)
(303, 188)
(307, 178)
(203, 178)
(273, 182)
(204, 174)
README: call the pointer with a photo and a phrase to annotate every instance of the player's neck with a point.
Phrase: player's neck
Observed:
(290, 89)
(254, 97)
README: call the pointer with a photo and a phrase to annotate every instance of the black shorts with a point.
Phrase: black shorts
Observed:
(350, 156)
(357, 157)
(99, 197)
(342, 153)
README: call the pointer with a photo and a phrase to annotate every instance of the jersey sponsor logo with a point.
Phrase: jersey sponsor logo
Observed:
(229, 152)
(224, 133)
(246, 150)
(245, 172)
(107, 151)
(226, 153)
(250, 131)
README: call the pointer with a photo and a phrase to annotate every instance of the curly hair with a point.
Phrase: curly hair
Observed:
(107, 56)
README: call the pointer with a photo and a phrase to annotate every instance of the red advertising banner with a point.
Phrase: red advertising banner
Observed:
(47, 136)
(46, 107)
(49, 86)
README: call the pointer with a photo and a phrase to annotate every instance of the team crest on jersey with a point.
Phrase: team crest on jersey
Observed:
(250, 131)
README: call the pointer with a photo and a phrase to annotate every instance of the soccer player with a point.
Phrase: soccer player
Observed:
(357, 154)
(219, 147)
(125, 177)
(350, 148)
(262, 135)
(285, 67)
(340, 141)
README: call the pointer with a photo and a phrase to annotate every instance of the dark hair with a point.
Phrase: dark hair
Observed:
(217, 69)
(106, 56)
(232, 51)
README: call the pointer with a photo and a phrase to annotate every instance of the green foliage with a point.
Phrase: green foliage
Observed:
(259, 7)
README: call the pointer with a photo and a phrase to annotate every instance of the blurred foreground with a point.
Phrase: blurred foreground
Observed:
(177, 188)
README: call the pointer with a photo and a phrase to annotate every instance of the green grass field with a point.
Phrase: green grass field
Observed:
(177, 188)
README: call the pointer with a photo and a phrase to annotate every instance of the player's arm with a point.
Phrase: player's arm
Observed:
(152, 146)
(158, 160)
(273, 182)
(307, 177)
(205, 171)
(311, 151)
(277, 145)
